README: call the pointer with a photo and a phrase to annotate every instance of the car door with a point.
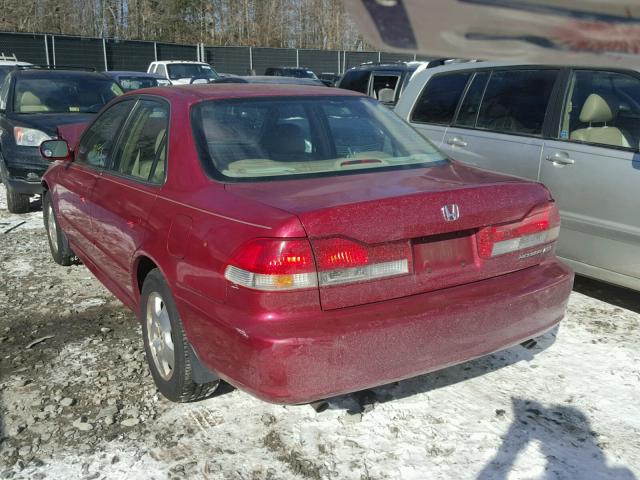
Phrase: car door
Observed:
(126, 191)
(500, 122)
(435, 107)
(76, 182)
(593, 170)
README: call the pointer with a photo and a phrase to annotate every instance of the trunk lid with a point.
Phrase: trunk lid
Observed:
(405, 208)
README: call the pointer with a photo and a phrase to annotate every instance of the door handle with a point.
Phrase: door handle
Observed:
(560, 159)
(456, 142)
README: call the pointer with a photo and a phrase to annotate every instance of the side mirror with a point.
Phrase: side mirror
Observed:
(55, 150)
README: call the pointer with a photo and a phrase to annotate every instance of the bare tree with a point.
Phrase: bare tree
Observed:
(271, 23)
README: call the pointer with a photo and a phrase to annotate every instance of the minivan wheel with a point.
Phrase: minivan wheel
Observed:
(166, 345)
(17, 202)
(58, 243)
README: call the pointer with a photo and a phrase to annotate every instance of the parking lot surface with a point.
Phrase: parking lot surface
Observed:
(76, 399)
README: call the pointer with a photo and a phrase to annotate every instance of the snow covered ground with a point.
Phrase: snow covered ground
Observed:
(80, 404)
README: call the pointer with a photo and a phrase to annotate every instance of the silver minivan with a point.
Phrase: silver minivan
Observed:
(577, 130)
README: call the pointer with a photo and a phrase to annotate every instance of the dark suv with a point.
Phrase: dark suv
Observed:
(33, 102)
(383, 81)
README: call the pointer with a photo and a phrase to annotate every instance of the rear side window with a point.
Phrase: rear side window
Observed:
(515, 101)
(142, 152)
(357, 80)
(439, 99)
(98, 142)
(468, 113)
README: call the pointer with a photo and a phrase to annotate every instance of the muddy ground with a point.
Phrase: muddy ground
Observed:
(77, 401)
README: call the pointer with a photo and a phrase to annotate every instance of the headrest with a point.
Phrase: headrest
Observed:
(29, 103)
(596, 110)
(386, 95)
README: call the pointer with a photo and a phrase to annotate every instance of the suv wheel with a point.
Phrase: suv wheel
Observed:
(17, 202)
(165, 344)
(58, 243)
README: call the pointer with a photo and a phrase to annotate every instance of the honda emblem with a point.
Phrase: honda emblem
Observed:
(451, 213)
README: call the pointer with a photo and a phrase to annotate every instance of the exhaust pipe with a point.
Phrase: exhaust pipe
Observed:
(320, 405)
(529, 344)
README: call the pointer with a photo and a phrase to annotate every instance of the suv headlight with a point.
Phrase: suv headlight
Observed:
(29, 137)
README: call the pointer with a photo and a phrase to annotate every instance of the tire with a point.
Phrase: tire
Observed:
(17, 202)
(58, 243)
(161, 324)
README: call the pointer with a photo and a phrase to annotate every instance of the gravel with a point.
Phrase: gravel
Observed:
(81, 403)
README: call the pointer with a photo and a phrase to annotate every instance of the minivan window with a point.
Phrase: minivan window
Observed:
(356, 80)
(515, 101)
(602, 108)
(305, 136)
(384, 87)
(468, 113)
(439, 99)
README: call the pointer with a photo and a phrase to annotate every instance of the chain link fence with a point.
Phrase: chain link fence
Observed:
(110, 54)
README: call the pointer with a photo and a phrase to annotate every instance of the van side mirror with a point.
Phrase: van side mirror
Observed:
(55, 150)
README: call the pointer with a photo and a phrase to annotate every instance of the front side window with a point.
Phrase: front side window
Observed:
(77, 94)
(515, 101)
(4, 92)
(143, 149)
(602, 108)
(4, 71)
(305, 136)
(98, 142)
(438, 101)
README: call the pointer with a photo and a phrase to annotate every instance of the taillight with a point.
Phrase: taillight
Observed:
(273, 264)
(345, 261)
(541, 226)
(287, 264)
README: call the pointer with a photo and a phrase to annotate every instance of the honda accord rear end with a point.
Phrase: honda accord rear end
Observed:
(391, 260)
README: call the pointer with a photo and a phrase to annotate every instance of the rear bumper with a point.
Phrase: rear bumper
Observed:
(340, 351)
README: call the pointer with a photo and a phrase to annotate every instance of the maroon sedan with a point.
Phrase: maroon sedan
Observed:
(298, 242)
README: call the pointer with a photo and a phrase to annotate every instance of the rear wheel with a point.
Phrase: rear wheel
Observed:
(17, 202)
(167, 349)
(58, 243)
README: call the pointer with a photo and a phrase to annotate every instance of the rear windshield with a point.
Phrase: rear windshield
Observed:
(129, 83)
(283, 137)
(189, 70)
(63, 95)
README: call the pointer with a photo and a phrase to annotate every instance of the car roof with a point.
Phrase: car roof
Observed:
(292, 68)
(283, 80)
(13, 63)
(45, 73)
(220, 91)
(136, 73)
(384, 66)
(167, 62)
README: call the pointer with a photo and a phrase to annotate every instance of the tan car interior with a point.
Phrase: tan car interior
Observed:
(29, 102)
(143, 147)
(597, 110)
